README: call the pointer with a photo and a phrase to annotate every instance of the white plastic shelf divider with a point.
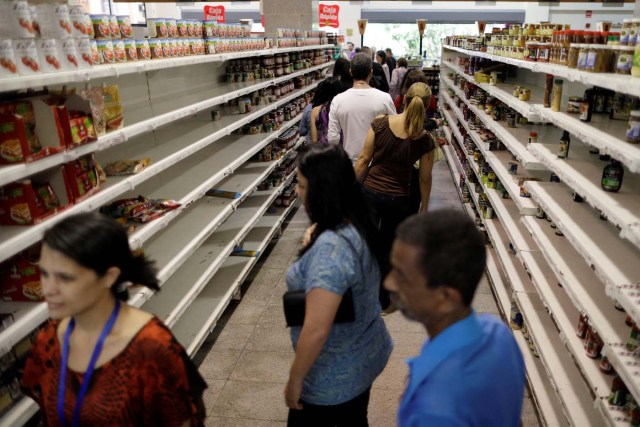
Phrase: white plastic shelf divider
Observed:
(582, 172)
(614, 261)
(517, 147)
(500, 92)
(16, 238)
(196, 323)
(579, 282)
(116, 70)
(20, 414)
(627, 365)
(228, 91)
(543, 394)
(625, 84)
(567, 381)
(605, 134)
(565, 316)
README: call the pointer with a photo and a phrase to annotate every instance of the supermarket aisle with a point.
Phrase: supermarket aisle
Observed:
(247, 358)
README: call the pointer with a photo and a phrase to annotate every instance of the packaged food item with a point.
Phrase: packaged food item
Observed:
(557, 95)
(96, 103)
(84, 53)
(34, 19)
(143, 49)
(565, 141)
(120, 50)
(157, 51)
(83, 177)
(635, 68)
(70, 59)
(166, 48)
(593, 344)
(130, 49)
(619, 392)
(124, 22)
(627, 24)
(54, 21)
(82, 130)
(224, 194)
(8, 65)
(26, 55)
(96, 55)
(140, 209)
(625, 60)
(548, 89)
(114, 28)
(633, 127)
(574, 104)
(32, 201)
(183, 31)
(157, 28)
(126, 167)
(107, 54)
(101, 27)
(172, 27)
(81, 24)
(20, 277)
(515, 319)
(19, 20)
(210, 45)
(605, 366)
(113, 107)
(583, 323)
(49, 55)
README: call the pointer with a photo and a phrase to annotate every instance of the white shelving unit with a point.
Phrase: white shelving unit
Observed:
(583, 266)
(192, 244)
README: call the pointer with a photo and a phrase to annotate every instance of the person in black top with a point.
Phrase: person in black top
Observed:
(342, 70)
(391, 61)
(378, 80)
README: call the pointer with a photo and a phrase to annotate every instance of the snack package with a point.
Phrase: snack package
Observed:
(126, 167)
(20, 277)
(140, 209)
(18, 139)
(113, 107)
(30, 202)
(96, 102)
(83, 177)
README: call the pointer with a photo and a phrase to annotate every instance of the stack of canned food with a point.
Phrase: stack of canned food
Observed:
(264, 67)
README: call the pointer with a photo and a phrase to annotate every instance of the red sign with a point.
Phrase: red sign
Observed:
(215, 13)
(329, 15)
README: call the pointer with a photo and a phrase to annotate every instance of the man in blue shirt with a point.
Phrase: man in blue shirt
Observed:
(470, 371)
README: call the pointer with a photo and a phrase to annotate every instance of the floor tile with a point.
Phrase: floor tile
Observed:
(383, 407)
(485, 303)
(263, 366)
(396, 322)
(273, 316)
(219, 364)
(248, 312)
(241, 422)
(268, 275)
(258, 292)
(270, 338)
(233, 337)
(484, 287)
(212, 393)
(252, 400)
(394, 376)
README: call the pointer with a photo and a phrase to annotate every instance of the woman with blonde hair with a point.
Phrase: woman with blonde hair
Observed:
(392, 146)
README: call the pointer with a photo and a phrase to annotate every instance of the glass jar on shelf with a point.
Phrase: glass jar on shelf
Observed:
(544, 51)
(574, 52)
(625, 60)
(531, 51)
(582, 56)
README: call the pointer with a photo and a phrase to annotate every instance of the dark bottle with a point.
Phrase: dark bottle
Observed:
(586, 108)
(565, 141)
(612, 176)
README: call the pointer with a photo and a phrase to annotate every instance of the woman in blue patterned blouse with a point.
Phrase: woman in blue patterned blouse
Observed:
(335, 364)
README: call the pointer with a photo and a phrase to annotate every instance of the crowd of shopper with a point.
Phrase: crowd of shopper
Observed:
(365, 182)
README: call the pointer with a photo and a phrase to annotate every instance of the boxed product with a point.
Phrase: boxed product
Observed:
(84, 177)
(32, 201)
(31, 130)
(54, 21)
(16, 20)
(20, 277)
(140, 209)
(8, 64)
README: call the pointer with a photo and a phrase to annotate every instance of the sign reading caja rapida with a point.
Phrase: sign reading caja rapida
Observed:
(328, 16)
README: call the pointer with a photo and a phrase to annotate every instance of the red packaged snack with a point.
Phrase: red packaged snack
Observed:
(20, 277)
(82, 177)
(33, 201)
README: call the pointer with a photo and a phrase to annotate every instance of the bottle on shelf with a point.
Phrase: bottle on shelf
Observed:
(586, 107)
(612, 176)
(565, 141)
(557, 95)
(548, 88)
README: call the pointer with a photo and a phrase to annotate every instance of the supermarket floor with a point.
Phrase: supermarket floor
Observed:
(246, 359)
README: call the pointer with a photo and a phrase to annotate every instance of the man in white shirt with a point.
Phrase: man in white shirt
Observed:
(352, 111)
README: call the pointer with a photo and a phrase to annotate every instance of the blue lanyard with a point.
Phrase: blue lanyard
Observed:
(89, 372)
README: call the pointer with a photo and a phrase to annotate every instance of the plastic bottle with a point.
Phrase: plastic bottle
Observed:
(557, 95)
(612, 176)
(565, 141)
(586, 107)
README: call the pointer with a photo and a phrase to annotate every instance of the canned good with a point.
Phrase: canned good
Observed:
(172, 27)
(191, 28)
(143, 49)
(540, 215)
(124, 22)
(130, 49)
(533, 137)
(166, 48)
(175, 52)
(605, 366)
(210, 45)
(119, 50)
(114, 28)
(83, 50)
(511, 120)
(183, 32)
(155, 45)
(513, 167)
(101, 27)
(554, 178)
(8, 64)
(157, 28)
(515, 318)
(95, 52)
(107, 54)
(26, 55)
(574, 104)
(593, 344)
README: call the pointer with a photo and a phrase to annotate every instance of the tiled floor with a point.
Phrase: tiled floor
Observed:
(246, 359)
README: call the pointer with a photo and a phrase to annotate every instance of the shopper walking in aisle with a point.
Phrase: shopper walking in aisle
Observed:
(391, 60)
(335, 363)
(320, 114)
(381, 58)
(470, 371)
(392, 146)
(352, 111)
(320, 96)
(378, 79)
(100, 361)
(341, 70)
(350, 50)
(397, 77)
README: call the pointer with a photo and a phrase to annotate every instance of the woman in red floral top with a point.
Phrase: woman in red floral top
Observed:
(122, 366)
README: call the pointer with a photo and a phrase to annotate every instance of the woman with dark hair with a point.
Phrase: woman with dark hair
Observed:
(392, 146)
(342, 70)
(397, 76)
(320, 113)
(319, 98)
(100, 361)
(335, 364)
(381, 58)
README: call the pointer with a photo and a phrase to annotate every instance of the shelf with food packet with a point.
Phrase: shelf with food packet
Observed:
(97, 117)
(218, 285)
(611, 135)
(189, 136)
(621, 207)
(51, 44)
(224, 158)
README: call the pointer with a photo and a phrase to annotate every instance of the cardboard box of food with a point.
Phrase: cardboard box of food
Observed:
(20, 277)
